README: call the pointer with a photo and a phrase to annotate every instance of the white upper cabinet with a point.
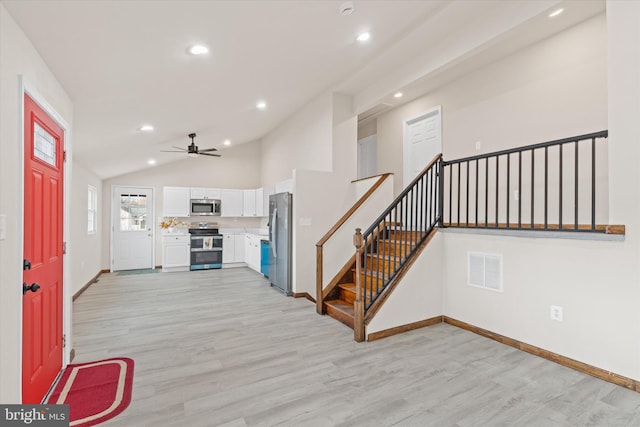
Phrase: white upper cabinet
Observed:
(260, 202)
(249, 203)
(266, 192)
(176, 201)
(232, 202)
(205, 193)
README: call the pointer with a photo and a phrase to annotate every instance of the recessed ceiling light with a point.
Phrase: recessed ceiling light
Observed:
(151, 162)
(363, 37)
(227, 142)
(347, 8)
(198, 49)
(261, 105)
(146, 128)
(556, 13)
(397, 95)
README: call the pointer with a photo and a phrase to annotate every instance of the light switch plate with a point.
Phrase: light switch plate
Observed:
(305, 222)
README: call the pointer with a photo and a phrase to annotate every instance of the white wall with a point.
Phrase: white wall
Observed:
(554, 89)
(419, 295)
(302, 142)
(84, 248)
(596, 283)
(17, 57)
(239, 167)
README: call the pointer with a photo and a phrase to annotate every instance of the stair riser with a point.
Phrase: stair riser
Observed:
(397, 249)
(403, 235)
(371, 284)
(375, 263)
(349, 295)
(340, 316)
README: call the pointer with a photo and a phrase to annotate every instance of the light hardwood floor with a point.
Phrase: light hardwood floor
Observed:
(223, 348)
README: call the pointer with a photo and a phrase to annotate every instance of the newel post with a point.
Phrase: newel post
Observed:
(358, 307)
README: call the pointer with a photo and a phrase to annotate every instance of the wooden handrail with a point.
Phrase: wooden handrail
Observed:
(332, 231)
(351, 211)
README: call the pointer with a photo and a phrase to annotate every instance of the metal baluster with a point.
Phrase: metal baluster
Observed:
(546, 186)
(486, 192)
(519, 189)
(593, 184)
(576, 187)
(459, 165)
(497, 182)
(533, 179)
(467, 191)
(477, 193)
(508, 185)
(560, 149)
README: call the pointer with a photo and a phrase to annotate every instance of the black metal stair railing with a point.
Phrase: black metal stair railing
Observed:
(551, 186)
(399, 231)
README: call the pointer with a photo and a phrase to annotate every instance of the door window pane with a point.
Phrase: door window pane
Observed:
(44, 145)
(133, 212)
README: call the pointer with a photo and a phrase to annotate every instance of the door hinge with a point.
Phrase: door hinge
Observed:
(64, 156)
(64, 248)
(64, 340)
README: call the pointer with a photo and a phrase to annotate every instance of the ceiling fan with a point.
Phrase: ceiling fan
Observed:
(192, 149)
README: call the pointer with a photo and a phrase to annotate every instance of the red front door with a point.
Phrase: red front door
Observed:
(42, 275)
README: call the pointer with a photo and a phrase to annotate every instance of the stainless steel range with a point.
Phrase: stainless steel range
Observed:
(206, 248)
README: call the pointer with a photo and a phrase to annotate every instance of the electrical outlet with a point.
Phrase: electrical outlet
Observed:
(556, 313)
(516, 195)
(477, 145)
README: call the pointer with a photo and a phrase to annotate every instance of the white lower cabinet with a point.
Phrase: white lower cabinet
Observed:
(232, 248)
(176, 253)
(252, 251)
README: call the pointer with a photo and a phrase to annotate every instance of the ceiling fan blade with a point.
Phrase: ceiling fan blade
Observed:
(179, 148)
(209, 149)
(209, 154)
(172, 151)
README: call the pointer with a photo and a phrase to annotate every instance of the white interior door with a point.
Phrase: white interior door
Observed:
(132, 228)
(367, 157)
(422, 142)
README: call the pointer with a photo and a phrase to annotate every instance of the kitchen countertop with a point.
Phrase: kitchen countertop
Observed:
(262, 232)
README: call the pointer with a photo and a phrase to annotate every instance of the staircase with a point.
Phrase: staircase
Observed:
(473, 193)
(390, 245)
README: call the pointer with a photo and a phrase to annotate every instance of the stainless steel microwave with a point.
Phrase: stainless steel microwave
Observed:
(205, 207)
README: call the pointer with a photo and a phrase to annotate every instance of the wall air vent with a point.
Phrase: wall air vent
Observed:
(485, 271)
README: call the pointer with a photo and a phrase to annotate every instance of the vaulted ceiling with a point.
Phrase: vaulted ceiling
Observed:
(125, 63)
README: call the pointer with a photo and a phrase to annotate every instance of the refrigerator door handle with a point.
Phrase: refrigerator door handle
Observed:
(272, 238)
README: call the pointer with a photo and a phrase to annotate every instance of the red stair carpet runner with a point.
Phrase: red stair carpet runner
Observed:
(95, 391)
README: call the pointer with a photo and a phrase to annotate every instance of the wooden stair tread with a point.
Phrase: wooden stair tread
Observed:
(385, 257)
(341, 305)
(340, 310)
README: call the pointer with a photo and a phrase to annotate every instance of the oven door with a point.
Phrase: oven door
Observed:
(206, 259)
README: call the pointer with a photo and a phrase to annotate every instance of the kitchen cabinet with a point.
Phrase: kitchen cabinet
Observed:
(176, 252)
(233, 248)
(260, 202)
(232, 202)
(239, 254)
(205, 193)
(248, 202)
(252, 251)
(176, 201)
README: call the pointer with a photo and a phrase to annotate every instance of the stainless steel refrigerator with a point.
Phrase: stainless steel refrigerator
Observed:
(280, 248)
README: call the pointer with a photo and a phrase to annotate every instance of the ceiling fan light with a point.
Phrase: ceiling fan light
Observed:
(192, 154)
